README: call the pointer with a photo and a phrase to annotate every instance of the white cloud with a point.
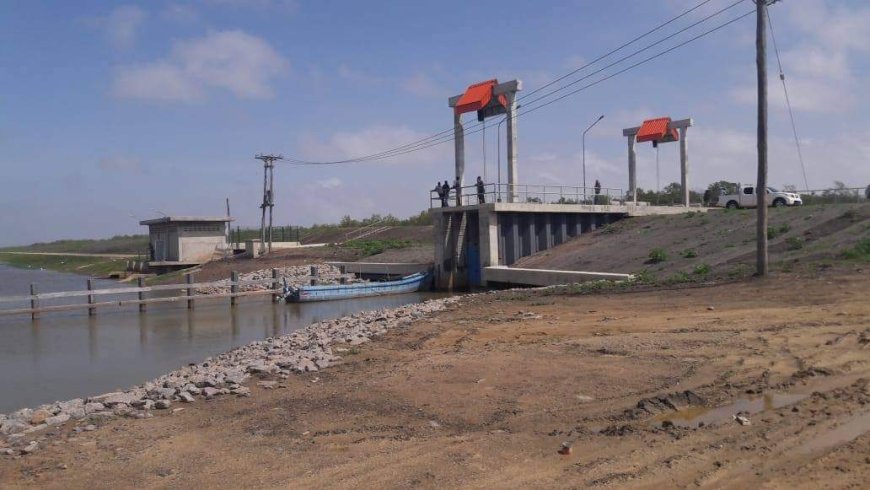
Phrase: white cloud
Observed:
(372, 140)
(121, 26)
(423, 85)
(179, 12)
(234, 61)
(330, 183)
(290, 5)
(819, 72)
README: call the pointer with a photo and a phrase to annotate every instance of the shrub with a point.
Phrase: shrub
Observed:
(689, 254)
(794, 243)
(861, 251)
(775, 231)
(701, 270)
(657, 255)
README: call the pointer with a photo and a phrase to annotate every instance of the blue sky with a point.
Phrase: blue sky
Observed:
(111, 112)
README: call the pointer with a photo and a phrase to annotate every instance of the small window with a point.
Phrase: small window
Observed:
(747, 190)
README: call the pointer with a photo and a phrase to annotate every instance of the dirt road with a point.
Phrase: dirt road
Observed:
(485, 394)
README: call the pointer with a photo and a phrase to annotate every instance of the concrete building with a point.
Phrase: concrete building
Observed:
(183, 241)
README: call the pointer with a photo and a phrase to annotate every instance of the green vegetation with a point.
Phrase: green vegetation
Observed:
(374, 247)
(119, 244)
(689, 254)
(92, 266)
(775, 231)
(701, 270)
(860, 252)
(657, 255)
(794, 243)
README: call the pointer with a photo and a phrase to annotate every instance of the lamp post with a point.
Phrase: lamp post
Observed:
(584, 152)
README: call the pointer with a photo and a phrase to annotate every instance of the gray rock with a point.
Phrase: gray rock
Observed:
(162, 404)
(185, 397)
(209, 392)
(116, 398)
(58, 419)
(268, 385)
(165, 393)
(89, 428)
(94, 407)
(29, 448)
(35, 428)
(13, 426)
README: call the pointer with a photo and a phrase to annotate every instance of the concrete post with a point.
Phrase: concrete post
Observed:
(276, 286)
(632, 168)
(459, 146)
(141, 284)
(684, 165)
(513, 178)
(34, 303)
(189, 280)
(91, 298)
(234, 287)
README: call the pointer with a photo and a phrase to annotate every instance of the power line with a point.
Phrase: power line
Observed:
(573, 92)
(797, 141)
(446, 135)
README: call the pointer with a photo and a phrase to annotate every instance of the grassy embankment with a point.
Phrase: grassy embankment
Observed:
(91, 266)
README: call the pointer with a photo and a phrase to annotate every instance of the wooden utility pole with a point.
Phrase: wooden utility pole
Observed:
(268, 201)
(761, 266)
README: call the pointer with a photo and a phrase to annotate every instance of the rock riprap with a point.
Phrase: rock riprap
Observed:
(296, 275)
(306, 350)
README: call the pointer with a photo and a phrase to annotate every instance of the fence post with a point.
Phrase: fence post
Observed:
(141, 283)
(275, 283)
(34, 302)
(91, 299)
(189, 280)
(234, 287)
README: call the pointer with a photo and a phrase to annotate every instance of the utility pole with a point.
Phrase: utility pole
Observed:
(268, 199)
(761, 265)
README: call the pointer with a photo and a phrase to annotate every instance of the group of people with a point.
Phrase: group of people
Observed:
(443, 191)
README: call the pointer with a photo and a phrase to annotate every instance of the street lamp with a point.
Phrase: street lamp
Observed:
(584, 152)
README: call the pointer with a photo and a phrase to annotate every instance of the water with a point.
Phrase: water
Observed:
(65, 355)
(694, 417)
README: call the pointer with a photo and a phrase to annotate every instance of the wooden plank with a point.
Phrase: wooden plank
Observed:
(131, 290)
(133, 302)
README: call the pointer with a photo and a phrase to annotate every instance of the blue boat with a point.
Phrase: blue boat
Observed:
(408, 284)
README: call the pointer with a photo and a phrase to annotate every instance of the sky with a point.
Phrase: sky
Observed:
(114, 112)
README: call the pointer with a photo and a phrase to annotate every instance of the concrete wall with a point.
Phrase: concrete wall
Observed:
(544, 277)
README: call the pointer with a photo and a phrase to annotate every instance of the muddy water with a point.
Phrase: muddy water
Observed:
(66, 355)
(693, 417)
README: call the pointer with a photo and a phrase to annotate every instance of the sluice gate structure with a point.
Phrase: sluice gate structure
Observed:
(473, 239)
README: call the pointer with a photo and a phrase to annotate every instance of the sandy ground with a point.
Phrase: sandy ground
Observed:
(484, 395)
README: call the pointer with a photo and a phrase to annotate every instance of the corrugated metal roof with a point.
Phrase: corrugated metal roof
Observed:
(653, 129)
(476, 97)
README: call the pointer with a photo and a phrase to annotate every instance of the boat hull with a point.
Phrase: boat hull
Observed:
(408, 284)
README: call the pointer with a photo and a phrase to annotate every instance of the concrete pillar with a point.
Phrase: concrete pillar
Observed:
(684, 165)
(632, 168)
(513, 178)
(487, 226)
(459, 147)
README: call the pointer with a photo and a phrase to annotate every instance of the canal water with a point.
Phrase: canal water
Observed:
(65, 355)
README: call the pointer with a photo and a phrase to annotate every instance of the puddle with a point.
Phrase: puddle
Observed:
(693, 417)
(839, 435)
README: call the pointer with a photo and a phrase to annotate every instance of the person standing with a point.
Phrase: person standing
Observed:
(445, 194)
(481, 191)
(597, 190)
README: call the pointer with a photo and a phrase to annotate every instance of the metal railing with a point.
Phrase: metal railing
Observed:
(527, 193)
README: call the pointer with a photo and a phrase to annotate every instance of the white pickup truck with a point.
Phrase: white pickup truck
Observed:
(746, 198)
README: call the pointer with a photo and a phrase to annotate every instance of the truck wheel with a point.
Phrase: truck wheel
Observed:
(778, 202)
(731, 205)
